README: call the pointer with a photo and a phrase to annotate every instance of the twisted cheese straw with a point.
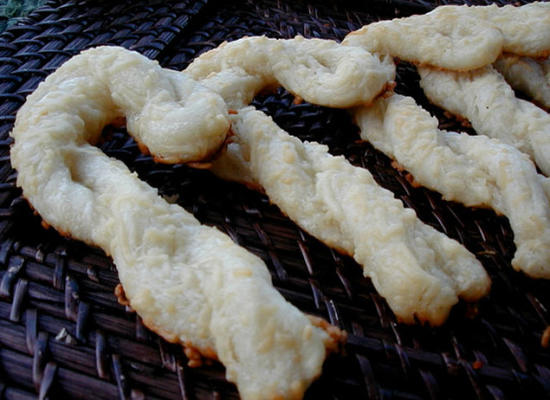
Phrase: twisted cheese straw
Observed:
(473, 170)
(485, 99)
(419, 271)
(190, 283)
(460, 38)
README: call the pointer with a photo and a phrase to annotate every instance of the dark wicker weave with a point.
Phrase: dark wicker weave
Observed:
(62, 332)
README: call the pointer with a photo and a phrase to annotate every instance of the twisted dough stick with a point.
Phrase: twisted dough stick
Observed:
(419, 270)
(474, 170)
(529, 75)
(489, 103)
(188, 282)
(460, 37)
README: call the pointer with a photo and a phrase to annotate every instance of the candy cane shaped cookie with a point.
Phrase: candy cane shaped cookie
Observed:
(190, 283)
(473, 170)
(485, 99)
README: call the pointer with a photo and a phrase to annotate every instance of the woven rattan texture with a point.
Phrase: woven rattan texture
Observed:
(62, 332)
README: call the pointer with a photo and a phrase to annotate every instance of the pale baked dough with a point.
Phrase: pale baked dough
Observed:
(189, 121)
(485, 99)
(528, 75)
(447, 37)
(306, 182)
(189, 282)
(420, 271)
(525, 29)
(473, 170)
(319, 71)
(460, 37)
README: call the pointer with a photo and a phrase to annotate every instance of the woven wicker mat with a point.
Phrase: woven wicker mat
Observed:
(62, 333)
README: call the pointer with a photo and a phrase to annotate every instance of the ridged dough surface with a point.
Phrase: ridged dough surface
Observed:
(319, 71)
(473, 170)
(460, 37)
(525, 29)
(189, 282)
(421, 272)
(306, 183)
(447, 37)
(485, 99)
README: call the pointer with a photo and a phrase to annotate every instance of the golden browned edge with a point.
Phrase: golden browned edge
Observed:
(195, 355)
(336, 337)
(464, 122)
(45, 224)
(120, 122)
(200, 165)
(409, 177)
(198, 356)
(545, 338)
(359, 31)
(541, 55)
(477, 364)
(472, 310)
(121, 295)
(459, 70)
(297, 100)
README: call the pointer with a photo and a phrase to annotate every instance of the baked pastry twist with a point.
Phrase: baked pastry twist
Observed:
(419, 271)
(528, 75)
(473, 170)
(485, 99)
(190, 283)
(460, 38)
